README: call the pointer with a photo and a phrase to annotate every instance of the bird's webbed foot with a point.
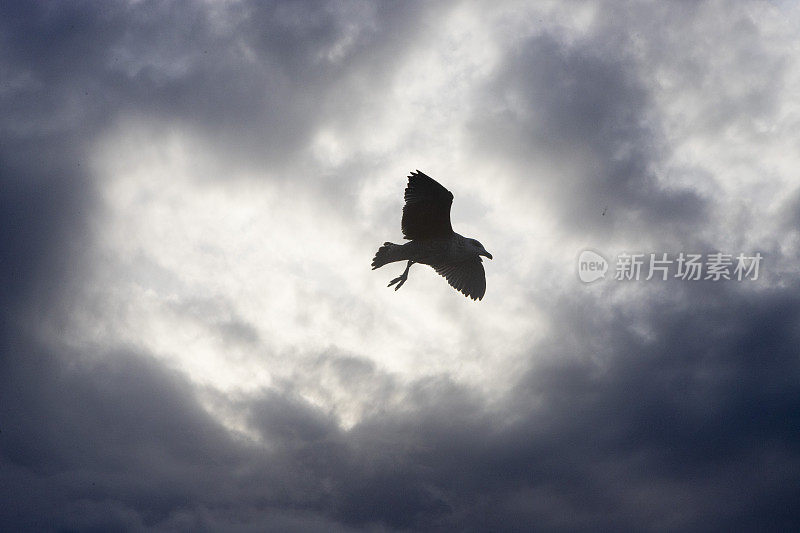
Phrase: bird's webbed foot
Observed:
(401, 278)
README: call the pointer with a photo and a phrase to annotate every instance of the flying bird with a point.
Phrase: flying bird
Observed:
(432, 241)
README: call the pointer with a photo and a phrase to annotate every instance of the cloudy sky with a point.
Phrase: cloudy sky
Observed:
(191, 337)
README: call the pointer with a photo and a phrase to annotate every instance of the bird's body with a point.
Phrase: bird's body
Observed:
(432, 241)
(434, 251)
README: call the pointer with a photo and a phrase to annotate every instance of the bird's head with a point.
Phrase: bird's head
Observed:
(477, 248)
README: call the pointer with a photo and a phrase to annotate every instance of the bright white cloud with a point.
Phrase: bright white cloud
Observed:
(239, 281)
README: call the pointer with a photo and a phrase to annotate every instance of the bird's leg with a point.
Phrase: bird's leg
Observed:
(402, 278)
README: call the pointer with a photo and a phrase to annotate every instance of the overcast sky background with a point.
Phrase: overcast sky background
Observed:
(192, 337)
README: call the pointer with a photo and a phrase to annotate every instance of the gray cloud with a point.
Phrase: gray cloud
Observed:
(664, 433)
(575, 124)
(669, 407)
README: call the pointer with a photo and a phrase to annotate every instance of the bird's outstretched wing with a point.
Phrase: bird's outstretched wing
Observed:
(467, 277)
(426, 214)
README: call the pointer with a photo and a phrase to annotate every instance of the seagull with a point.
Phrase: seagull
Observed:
(432, 241)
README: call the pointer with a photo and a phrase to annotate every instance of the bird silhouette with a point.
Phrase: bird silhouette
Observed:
(432, 241)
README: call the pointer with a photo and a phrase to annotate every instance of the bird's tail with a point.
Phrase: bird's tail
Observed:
(387, 253)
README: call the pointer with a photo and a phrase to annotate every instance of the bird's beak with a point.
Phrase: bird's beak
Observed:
(487, 254)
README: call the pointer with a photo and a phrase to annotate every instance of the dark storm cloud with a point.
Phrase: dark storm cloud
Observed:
(688, 430)
(691, 429)
(123, 444)
(687, 416)
(688, 426)
(42, 202)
